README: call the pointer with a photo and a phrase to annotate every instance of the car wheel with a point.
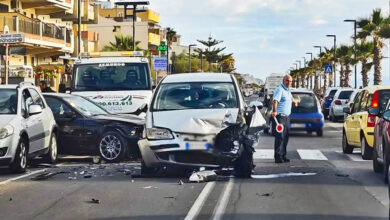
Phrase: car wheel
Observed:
(309, 132)
(347, 149)
(19, 163)
(145, 170)
(243, 166)
(378, 168)
(320, 133)
(51, 156)
(112, 147)
(366, 150)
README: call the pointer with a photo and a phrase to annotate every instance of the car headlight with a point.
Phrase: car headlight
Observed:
(6, 131)
(158, 133)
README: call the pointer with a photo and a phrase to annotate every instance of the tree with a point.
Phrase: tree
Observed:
(377, 27)
(171, 35)
(364, 54)
(122, 43)
(344, 57)
(211, 53)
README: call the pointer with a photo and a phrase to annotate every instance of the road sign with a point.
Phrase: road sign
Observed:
(160, 63)
(328, 69)
(11, 38)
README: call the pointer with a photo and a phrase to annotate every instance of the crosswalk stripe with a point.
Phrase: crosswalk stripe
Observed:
(264, 154)
(355, 157)
(311, 155)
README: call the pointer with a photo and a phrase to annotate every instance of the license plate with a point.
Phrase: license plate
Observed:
(298, 125)
(195, 145)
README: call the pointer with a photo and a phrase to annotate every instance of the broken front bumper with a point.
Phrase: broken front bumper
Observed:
(158, 153)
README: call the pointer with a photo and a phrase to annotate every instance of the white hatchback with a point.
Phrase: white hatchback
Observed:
(27, 127)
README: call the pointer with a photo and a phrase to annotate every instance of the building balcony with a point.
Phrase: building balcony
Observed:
(40, 37)
(154, 39)
(47, 7)
(89, 13)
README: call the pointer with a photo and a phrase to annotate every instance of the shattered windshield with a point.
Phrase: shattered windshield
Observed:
(195, 95)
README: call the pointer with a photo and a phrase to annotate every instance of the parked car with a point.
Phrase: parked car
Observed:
(358, 129)
(211, 132)
(340, 100)
(85, 128)
(381, 151)
(328, 98)
(307, 116)
(351, 100)
(27, 127)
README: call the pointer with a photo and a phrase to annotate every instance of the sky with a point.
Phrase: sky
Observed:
(268, 36)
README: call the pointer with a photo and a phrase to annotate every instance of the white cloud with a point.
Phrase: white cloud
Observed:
(318, 21)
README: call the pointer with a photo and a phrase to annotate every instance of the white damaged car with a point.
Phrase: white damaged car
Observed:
(199, 120)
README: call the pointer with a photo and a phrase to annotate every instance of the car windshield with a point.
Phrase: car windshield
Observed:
(8, 101)
(111, 77)
(308, 103)
(85, 106)
(345, 94)
(195, 95)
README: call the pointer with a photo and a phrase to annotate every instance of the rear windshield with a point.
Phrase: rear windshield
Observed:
(308, 103)
(345, 94)
(332, 92)
(384, 96)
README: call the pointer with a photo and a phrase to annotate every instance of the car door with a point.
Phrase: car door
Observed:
(70, 124)
(351, 123)
(34, 124)
(47, 120)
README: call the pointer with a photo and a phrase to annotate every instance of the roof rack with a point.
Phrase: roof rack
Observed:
(25, 84)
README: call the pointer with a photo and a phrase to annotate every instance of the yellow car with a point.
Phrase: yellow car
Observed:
(359, 126)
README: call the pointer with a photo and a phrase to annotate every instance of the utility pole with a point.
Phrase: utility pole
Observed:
(134, 15)
(334, 57)
(354, 47)
(320, 86)
(79, 27)
(6, 63)
(300, 67)
(189, 53)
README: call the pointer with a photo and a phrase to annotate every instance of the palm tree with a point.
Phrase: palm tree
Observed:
(122, 43)
(327, 58)
(171, 35)
(377, 27)
(364, 54)
(344, 57)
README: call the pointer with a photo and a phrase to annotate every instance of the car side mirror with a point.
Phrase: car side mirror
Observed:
(374, 111)
(34, 109)
(386, 115)
(258, 104)
(347, 110)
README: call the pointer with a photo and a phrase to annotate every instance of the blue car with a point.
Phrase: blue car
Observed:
(307, 116)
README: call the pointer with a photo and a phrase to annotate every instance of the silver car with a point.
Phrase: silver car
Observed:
(198, 120)
(340, 100)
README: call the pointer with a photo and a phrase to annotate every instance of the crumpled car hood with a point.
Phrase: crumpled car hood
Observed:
(195, 121)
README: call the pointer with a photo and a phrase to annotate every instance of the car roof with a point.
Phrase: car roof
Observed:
(8, 86)
(301, 91)
(372, 89)
(124, 59)
(59, 95)
(198, 77)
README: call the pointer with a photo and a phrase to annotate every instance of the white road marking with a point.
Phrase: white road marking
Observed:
(198, 204)
(21, 177)
(311, 155)
(264, 154)
(356, 157)
(223, 201)
(281, 175)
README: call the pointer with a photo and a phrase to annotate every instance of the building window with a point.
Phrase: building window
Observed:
(13, 4)
(25, 13)
(32, 61)
(25, 60)
(32, 16)
(3, 8)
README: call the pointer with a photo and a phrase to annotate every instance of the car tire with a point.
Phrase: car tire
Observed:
(378, 168)
(243, 165)
(112, 147)
(51, 156)
(145, 170)
(320, 133)
(347, 149)
(309, 132)
(385, 166)
(19, 163)
(366, 150)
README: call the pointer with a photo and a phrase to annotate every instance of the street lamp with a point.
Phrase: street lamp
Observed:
(334, 57)
(189, 53)
(134, 15)
(320, 49)
(354, 47)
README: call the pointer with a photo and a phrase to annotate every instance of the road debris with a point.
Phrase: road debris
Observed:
(72, 178)
(46, 175)
(87, 176)
(265, 194)
(203, 176)
(10, 199)
(169, 197)
(94, 201)
(281, 175)
(181, 183)
(342, 175)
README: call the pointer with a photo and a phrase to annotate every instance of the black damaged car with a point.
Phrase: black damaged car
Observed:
(88, 129)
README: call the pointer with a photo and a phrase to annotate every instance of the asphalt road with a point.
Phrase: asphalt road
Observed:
(319, 183)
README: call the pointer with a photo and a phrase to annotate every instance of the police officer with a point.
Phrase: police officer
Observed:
(282, 104)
